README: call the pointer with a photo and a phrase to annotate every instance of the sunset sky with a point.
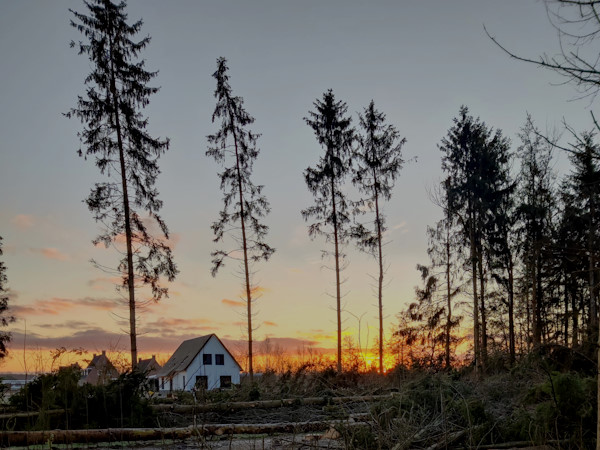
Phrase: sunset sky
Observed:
(418, 60)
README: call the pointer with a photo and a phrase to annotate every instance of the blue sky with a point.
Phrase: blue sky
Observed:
(418, 60)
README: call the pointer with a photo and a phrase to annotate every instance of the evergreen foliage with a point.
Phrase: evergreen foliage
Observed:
(331, 209)
(379, 161)
(115, 135)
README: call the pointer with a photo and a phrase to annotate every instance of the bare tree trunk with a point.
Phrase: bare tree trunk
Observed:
(511, 313)
(337, 279)
(476, 355)
(448, 297)
(380, 284)
(484, 336)
(126, 214)
(246, 266)
(566, 319)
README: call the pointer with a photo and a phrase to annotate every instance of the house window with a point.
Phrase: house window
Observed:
(226, 381)
(207, 359)
(219, 359)
(202, 382)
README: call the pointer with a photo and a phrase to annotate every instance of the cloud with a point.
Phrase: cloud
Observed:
(175, 327)
(23, 221)
(104, 283)
(258, 291)
(56, 305)
(51, 253)
(228, 302)
(270, 324)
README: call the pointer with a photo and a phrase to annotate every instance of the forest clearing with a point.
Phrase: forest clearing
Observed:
(464, 309)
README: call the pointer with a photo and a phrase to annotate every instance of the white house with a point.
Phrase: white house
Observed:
(203, 362)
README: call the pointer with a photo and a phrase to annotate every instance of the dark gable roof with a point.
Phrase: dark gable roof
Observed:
(148, 366)
(185, 354)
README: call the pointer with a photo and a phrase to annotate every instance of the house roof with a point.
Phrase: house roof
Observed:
(149, 366)
(185, 354)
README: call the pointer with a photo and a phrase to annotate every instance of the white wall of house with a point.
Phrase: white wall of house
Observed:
(185, 381)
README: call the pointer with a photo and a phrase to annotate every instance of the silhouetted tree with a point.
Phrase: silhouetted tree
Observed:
(583, 190)
(445, 253)
(331, 209)
(476, 162)
(379, 161)
(5, 318)
(535, 210)
(115, 135)
(243, 202)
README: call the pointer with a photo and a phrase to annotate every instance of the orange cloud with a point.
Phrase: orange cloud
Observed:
(270, 324)
(23, 221)
(228, 302)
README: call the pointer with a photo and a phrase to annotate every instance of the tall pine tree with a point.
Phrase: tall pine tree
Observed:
(379, 161)
(331, 210)
(243, 202)
(115, 135)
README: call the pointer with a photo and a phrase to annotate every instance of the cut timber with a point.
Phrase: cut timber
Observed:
(26, 438)
(234, 406)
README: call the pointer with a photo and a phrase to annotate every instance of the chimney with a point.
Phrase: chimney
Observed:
(139, 360)
(153, 356)
(103, 352)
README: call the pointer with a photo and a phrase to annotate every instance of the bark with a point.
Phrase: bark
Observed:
(266, 404)
(484, 336)
(380, 281)
(126, 213)
(476, 356)
(448, 298)
(338, 296)
(245, 248)
(511, 313)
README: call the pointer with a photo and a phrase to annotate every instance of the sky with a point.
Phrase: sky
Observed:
(418, 60)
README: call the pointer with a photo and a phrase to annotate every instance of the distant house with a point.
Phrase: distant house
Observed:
(99, 371)
(150, 367)
(201, 363)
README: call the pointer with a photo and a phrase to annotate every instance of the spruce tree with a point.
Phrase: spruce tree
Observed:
(115, 135)
(331, 210)
(475, 160)
(379, 161)
(244, 204)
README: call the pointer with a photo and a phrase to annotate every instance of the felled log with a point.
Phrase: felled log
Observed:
(25, 438)
(235, 406)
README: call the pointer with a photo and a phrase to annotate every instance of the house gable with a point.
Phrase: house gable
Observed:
(200, 362)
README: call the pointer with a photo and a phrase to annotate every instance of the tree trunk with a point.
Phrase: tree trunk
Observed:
(476, 356)
(380, 284)
(126, 213)
(338, 296)
(448, 297)
(511, 313)
(246, 265)
(484, 336)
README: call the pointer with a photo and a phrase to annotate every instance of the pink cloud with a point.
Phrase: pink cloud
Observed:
(23, 221)
(54, 306)
(51, 253)
(228, 302)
